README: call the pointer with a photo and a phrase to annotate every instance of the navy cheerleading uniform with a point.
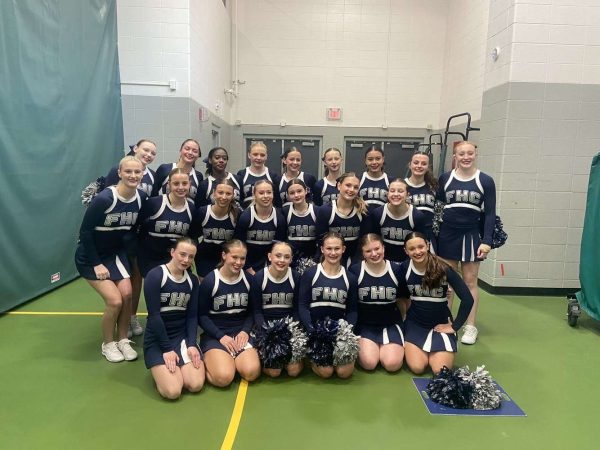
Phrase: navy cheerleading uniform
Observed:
(429, 307)
(467, 202)
(351, 227)
(325, 192)
(248, 179)
(224, 309)
(161, 186)
(301, 232)
(212, 232)
(146, 183)
(208, 185)
(259, 234)
(161, 225)
(374, 191)
(274, 299)
(379, 318)
(322, 296)
(308, 180)
(393, 229)
(108, 224)
(423, 198)
(172, 325)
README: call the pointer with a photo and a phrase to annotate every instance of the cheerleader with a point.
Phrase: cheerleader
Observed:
(374, 182)
(422, 188)
(301, 220)
(328, 291)
(226, 318)
(260, 225)
(101, 257)
(394, 220)
(347, 216)
(470, 208)
(145, 151)
(275, 289)
(379, 319)
(429, 329)
(257, 170)
(292, 161)
(325, 190)
(189, 152)
(213, 225)
(216, 169)
(170, 349)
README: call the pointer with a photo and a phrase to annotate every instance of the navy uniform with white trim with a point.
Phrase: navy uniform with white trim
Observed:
(423, 198)
(306, 178)
(429, 307)
(467, 201)
(208, 186)
(212, 232)
(374, 190)
(322, 296)
(161, 225)
(248, 179)
(107, 225)
(394, 229)
(259, 234)
(146, 183)
(161, 185)
(325, 192)
(172, 315)
(275, 299)
(224, 309)
(301, 232)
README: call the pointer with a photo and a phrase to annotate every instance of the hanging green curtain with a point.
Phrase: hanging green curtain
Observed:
(589, 260)
(60, 127)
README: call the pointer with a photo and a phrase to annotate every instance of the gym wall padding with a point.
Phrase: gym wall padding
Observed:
(589, 257)
(61, 127)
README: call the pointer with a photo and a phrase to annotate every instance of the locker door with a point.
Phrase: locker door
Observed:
(311, 154)
(397, 157)
(274, 150)
(354, 159)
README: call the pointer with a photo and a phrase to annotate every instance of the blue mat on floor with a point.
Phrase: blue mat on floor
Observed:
(507, 408)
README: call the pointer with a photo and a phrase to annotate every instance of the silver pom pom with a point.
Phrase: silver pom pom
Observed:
(91, 190)
(299, 340)
(304, 264)
(346, 345)
(438, 213)
(485, 394)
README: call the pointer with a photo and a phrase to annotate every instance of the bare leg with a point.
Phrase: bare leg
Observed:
(273, 373)
(345, 371)
(193, 379)
(294, 369)
(136, 286)
(220, 367)
(322, 371)
(470, 272)
(113, 303)
(416, 358)
(168, 384)
(368, 354)
(124, 287)
(437, 360)
(391, 357)
(247, 364)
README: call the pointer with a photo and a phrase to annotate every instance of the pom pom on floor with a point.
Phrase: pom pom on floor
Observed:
(272, 341)
(298, 341)
(321, 342)
(346, 344)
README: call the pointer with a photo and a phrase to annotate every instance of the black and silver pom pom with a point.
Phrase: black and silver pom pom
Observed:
(91, 190)
(438, 217)
(298, 341)
(321, 342)
(499, 236)
(304, 264)
(346, 344)
(272, 341)
(485, 394)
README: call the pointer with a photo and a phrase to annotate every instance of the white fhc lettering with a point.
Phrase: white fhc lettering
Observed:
(122, 218)
(301, 231)
(179, 299)
(394, 233)
(419, 291)
(375, 293)
(278, 298)
(235, 299)
(217, 234)
(172, 226)
(261, 235)
(464, 196)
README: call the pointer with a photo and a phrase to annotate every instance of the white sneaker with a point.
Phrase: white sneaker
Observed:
(469, 336)
(111, 352)
(134, 327)
(124, 346)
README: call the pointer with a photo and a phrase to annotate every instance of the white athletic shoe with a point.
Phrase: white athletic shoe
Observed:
(111, 352)
(135, 327)
(469, 336)
(124, 346)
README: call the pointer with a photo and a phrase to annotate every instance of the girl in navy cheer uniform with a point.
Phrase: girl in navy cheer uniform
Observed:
(145, 151)
(301, 220)
(170, 349)
(189, 152)
(101, 257)
(422, 188)
(216, 169)
(257, 170)
(325, 190)
(430, 331)
(374, 182)
(292, 162)
(226, 317)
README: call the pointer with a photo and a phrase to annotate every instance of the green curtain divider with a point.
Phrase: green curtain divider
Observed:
(589, 260)
(61, 127)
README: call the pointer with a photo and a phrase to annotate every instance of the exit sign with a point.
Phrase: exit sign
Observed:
(334, 113)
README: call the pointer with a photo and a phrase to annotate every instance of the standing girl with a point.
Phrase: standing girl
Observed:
(422, 188)
(225, 316)
(189, 152)
(292, 162)
(170, 349)
(257, 170)
(328, 291)
(101, 257)
(259, 225)
(374, 182)
(394, 220)
(325, 190)
(379, 319)
(216, 169)
(429, 329)
(301, 219)
(470, 197)
(145, 151)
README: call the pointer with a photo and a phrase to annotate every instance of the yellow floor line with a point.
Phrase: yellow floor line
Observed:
(236, 416)
(57, 313)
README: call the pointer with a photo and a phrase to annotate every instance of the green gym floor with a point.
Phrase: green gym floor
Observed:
(58, 392)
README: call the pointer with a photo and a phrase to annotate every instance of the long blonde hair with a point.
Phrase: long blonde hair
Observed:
(358, 201)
